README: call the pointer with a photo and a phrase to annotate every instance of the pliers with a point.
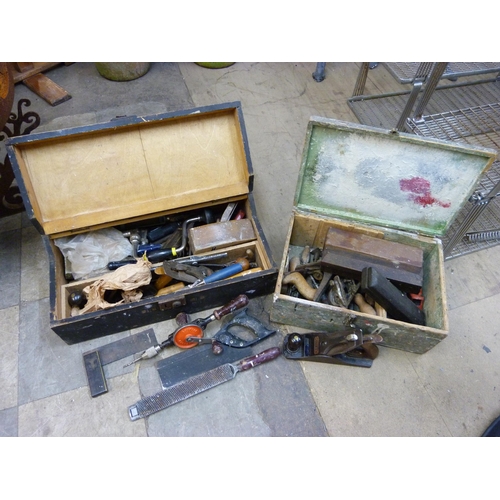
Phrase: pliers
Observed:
(186, 273)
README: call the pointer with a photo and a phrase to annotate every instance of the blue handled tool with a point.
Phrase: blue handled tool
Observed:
(148, 248)
(238, 266)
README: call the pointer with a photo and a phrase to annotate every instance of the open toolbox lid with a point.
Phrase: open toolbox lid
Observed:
(384, 178)
(80, 178)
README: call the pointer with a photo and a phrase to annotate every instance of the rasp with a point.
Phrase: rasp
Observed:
(198, 384)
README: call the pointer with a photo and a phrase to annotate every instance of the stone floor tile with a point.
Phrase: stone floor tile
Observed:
(10, 223)
(8, 422)
(10, 268)
(387, 399)
(47, 365)
(9, 341)
(76, 414)
(472, 277)
(34, 266)
(100, 100)
(461, 374)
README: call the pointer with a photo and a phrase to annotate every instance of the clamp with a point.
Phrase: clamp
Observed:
(187, 273)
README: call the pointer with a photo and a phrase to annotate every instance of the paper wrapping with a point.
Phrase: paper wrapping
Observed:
(128, 279)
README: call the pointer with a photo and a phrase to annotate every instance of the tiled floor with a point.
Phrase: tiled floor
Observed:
(449, 391)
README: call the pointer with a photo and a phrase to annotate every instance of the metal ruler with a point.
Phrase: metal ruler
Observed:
(94, 360)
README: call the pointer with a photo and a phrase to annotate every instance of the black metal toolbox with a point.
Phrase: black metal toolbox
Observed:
(136, 171)
(390, 187)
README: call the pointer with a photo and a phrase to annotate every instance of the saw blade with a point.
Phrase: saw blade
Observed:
(191, 362)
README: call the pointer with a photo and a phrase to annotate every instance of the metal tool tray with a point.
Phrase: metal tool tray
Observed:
(361, 178)
(130, 170)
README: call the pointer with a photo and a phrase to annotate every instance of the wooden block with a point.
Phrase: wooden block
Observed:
(220, 234)
(400, 255)
(21, 67)
(350, 265)
(348, 253)
(20, 71)
(46, 89)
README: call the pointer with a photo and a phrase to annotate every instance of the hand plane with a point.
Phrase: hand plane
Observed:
(350, 347)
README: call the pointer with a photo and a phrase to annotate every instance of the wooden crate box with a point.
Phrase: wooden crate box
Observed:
(359, 179)
(130, 171)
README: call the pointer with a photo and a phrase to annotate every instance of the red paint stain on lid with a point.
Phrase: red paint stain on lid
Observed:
(419, 190)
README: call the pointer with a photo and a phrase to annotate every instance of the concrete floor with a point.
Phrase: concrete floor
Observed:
(449, 391)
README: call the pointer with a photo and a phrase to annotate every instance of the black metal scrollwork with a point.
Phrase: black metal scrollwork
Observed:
(17, 124)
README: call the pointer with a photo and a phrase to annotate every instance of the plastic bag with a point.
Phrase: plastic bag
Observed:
(89, 253)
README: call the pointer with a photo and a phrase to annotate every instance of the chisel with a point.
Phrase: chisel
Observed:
(197, 384)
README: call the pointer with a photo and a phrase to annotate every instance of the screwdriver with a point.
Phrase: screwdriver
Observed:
(161, 254)
(238, 266)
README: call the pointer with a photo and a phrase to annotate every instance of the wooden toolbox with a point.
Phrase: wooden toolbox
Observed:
(382, 186)
(134, 172)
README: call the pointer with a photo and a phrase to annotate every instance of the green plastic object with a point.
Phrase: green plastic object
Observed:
(122, 71)
(215, 65)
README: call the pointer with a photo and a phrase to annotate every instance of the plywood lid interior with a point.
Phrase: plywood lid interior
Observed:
(91, 178)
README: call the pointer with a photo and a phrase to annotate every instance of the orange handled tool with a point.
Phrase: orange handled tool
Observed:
(193, 329)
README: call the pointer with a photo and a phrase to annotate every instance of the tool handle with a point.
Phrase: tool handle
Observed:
(168, 342)
(160, 232)
(237, 303)
(115, 264)
(161, 255)
(148, 248)
(227, 272)
(258, 359)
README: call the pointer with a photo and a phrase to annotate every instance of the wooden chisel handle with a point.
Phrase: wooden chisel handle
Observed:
(237, 303)
(258, 359)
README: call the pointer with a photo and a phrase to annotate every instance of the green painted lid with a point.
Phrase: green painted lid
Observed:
(385, 178)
